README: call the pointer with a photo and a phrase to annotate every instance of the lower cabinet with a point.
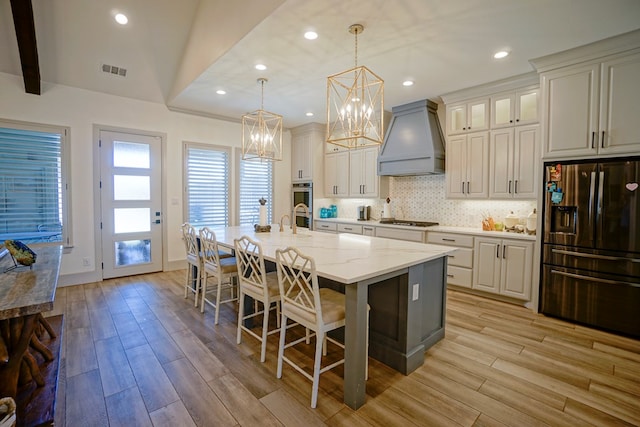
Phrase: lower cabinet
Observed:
(459, 263)
(349, 228)
(503, 267)
(401, 234)
(326, 226)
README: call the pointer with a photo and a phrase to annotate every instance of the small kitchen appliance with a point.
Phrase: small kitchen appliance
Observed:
(364, 213)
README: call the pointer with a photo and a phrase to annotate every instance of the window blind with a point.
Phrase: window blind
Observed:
(207, 189)
(31, 182)
(256, 181)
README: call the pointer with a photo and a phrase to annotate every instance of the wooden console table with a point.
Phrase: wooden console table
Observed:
(25, 357)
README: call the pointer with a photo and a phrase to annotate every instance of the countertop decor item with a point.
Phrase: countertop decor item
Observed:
(487, 222)
(510, 221)
(20, 253)
(532, 220)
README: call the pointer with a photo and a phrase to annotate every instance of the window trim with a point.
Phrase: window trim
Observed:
(185, 191)
(65, 170)
(238, 159)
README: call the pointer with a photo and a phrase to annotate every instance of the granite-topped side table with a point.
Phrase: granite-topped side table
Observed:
(24, 294)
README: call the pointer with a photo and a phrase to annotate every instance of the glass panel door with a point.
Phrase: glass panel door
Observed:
(131, 200)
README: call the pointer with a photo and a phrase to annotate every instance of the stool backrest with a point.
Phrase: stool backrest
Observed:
(298, 283)
(251, 269)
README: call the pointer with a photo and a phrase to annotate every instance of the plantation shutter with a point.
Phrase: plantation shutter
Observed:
(207, 180)
(30, 181)
(256, 182)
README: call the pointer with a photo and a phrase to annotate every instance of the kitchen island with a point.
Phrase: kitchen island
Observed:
(403, 282)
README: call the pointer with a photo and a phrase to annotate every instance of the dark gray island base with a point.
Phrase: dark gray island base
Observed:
(401, 327)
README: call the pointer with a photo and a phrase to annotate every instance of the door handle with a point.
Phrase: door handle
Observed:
(593, 140)
(515, 190)
(462, 187)
(504, 251)
(595, 279)
(498, 251)
(602, 142)
(509, 186)
(468, 188)
(593, 256)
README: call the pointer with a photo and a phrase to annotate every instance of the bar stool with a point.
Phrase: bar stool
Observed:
(224, 270)
(321, 310)
(194, 262)
(254, 281)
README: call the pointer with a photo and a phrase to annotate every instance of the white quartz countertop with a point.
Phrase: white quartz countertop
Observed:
(475, 231)
(345, 258)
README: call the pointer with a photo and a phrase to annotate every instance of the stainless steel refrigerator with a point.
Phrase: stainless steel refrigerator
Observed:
(591, 244)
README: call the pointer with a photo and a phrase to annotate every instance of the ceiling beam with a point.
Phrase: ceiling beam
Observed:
(22, 11)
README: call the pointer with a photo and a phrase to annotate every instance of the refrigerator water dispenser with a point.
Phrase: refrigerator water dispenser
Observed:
(563, 219)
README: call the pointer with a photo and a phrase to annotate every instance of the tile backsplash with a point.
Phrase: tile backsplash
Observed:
(422, 198)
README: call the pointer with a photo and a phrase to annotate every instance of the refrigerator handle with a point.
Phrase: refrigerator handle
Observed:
(599, 207)
(592, 190)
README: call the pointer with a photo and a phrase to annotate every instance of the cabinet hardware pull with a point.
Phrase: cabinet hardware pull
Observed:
(462, 187)
(449, 275)
(602, 142)
(468, 188)
(504, 250)
(517, 120)
(448, 240)
(509, 186)
(593, 139)
(515, 191)
(348, 228)
(498, 251)
(510, 121)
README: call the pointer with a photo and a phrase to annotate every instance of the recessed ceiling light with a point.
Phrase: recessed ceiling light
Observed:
(501, 54)
(310, 35)
(121, 19)
(309, 114)
(407, 83)
(261, 67)
(221, 92)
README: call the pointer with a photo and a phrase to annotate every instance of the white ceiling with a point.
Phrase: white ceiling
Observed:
(179, 52)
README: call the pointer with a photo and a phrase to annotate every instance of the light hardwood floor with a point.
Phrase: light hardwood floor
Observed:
(135, 352)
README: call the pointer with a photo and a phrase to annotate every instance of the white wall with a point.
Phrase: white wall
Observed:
(80, 110)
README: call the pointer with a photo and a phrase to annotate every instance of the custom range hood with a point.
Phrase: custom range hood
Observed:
(413, 144)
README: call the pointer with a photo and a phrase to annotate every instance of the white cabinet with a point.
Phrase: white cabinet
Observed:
(336, 174)
(459, 263)
(301, 158)
(503, 267)
(514, 108)
(368, 230)
(513, 169)
(469, 116)
(363, 179)
(349, 228)
(401, 234)
(468, 166)
(325, 226)
(591, 110)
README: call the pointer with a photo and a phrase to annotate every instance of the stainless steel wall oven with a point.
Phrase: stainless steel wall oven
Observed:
(302, 192)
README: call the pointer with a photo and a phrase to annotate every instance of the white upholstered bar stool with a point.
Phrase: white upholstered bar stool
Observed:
(194, 262)
(254, 281)
(223, 270)
(319, 309)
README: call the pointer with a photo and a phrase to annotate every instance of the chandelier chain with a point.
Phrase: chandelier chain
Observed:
(356, 57)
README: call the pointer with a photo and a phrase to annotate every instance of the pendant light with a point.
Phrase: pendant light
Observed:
(262, 133)
(355, 105)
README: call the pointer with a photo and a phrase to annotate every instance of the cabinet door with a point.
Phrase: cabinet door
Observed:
(620, 92)
(336, 178)
(368, 230)
(570, 102)
(456, 176)
(503, 108)
(370, 172)
(487, 253)
(478, 165)
(526, 110)
(501, 149)
(525, 161)
(516, 269)
(478, 115)
(301, 158)
(356, 172)
(456, 119)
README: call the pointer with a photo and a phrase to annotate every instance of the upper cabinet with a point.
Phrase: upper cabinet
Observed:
(513, 174)
(589, 99)
(514, 108)
(336, 174)
(353, 173)
(307, 144)
(363, 179)
(470, 116)
(467, 166)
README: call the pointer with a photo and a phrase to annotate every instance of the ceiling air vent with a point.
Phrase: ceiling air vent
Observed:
(112, 69)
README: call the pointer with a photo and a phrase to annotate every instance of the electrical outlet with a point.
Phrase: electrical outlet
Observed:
(416, 290)
(85, 262)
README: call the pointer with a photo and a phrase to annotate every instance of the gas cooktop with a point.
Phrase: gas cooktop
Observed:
(407, 222)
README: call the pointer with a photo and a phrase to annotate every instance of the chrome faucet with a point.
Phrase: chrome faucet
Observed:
(294, 215)
(282, 219)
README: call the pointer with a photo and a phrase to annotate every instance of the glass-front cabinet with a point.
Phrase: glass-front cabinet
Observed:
(514, 108)
(468, 117)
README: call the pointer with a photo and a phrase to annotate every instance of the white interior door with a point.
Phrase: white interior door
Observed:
(130, 181)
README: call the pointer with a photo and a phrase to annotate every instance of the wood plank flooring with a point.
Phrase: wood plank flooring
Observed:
(135, 352)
